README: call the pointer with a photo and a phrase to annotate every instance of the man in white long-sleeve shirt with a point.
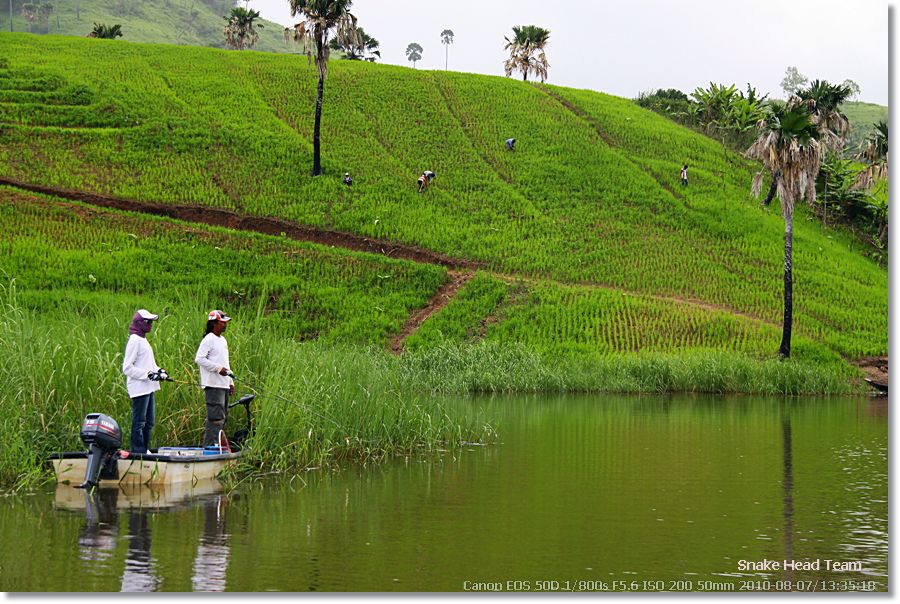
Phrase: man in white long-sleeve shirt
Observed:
(142, 379)
(215, 370)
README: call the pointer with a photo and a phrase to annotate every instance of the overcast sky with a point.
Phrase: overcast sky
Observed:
(628, 46)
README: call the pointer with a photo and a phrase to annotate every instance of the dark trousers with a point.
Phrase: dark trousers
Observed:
(216, 414)
(142, 419)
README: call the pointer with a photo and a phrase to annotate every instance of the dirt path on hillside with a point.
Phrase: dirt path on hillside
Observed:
(439, 300)
(260, 224)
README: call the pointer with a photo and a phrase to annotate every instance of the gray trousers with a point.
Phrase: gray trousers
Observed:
(216, 414)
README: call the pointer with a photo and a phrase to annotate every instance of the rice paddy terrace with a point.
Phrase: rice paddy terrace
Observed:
(582, 238)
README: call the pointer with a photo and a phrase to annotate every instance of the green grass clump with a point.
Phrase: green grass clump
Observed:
(490, 367)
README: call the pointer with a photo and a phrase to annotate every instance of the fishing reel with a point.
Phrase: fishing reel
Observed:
(158, 376)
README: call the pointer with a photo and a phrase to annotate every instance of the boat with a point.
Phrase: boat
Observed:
(105, 464)
(164, 466)
(880, 386)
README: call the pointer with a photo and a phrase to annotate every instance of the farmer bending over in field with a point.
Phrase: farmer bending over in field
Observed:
(215, 375)
(425, 180)
(348, 180)
(684, 175)
(510, 144)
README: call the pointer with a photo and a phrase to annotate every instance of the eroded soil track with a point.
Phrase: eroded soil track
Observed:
(260, 224)
(438, 301)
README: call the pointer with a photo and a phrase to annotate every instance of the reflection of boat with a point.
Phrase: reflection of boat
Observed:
(137, 496)
(166, 466)
(101, 535)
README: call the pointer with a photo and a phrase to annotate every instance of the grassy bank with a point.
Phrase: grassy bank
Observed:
(318, 403)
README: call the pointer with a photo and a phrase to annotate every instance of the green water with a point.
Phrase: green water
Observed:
(582, 492)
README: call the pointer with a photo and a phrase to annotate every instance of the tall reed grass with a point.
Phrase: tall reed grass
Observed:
(315, 402)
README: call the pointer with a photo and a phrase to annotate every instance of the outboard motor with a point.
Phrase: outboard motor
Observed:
(103, 438)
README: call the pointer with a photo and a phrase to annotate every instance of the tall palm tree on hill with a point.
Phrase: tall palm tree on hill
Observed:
(526, 52)
(321, 18)
(240, 30)
(446, 40)
(787, 146)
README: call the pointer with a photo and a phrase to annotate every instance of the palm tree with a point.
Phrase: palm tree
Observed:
(414, 53)
(824, 100)
(874, 152)
(526, 51)
(787, 146)
(240, 32)
(365, 44)
(108, 32)
(447, 40)
(321, 18)
(37, 11)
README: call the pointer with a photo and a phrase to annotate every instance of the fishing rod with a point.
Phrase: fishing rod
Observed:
(163, 376)
(289, 401)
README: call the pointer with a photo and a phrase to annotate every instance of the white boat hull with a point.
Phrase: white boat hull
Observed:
(151, 469)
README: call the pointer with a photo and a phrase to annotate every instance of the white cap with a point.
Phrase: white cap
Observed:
(146, 314)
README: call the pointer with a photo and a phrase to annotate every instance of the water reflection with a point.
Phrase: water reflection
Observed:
(139, 572)
(213, 551)
(100, 535)
(787, 447)
(580, 488)
(97, 540)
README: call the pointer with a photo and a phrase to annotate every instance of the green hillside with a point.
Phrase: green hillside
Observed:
(862, 116)
(183, 22)
(589, 203)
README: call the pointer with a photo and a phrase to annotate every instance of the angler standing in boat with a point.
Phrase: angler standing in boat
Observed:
(142, 379)
(215, 375)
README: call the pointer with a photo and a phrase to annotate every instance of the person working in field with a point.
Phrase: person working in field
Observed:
(348, 180)
(142, 377)
(684, 175)
(425, 180)
(510, 144)
(215, 375)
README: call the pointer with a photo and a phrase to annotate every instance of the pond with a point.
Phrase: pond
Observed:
(586, 493)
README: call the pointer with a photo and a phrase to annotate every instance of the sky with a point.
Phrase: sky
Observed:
(629, 46)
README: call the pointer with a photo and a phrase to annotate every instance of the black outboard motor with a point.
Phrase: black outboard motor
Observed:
(103, 437)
